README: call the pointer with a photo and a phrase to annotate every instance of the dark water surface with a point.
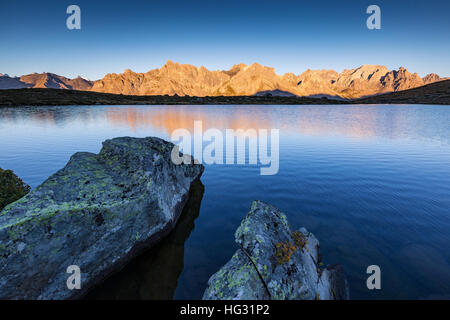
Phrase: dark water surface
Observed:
(371, 182)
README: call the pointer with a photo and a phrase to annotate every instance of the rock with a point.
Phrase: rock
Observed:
(274, 262)
(154, 274)
(179, 80)
(98, 212)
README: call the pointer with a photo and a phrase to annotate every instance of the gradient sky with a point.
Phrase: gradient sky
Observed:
(290, 36)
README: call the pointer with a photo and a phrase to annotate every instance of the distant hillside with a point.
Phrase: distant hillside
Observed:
(44, 80)
(57, 97)
(435, 93)
(240, 80)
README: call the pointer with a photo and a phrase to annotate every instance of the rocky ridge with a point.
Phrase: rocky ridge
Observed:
(240, 80)
(44, 80)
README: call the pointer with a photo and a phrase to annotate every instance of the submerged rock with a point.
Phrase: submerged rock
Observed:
(97, 212)
(274, 262)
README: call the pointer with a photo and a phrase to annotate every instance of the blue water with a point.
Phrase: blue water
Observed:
(371, 182)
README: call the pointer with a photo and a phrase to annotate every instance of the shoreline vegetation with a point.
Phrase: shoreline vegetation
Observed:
(12, 188)
(437, 93)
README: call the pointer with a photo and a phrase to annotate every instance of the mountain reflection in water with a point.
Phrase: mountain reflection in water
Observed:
(370, 181)
(356, 121)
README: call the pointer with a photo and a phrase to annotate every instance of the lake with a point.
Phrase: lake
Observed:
(371, 182)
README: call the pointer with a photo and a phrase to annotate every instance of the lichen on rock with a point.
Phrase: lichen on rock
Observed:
(274, 262)
(97, 212)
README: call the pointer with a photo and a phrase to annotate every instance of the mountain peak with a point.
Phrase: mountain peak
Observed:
(170, 63)
(241, 79)
(240, 65)
(430, 78)
(235, 69)
(371, 68)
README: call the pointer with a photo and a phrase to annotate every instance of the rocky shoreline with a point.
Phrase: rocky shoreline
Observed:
(102, 211)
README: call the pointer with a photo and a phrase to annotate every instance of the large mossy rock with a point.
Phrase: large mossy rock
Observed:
(97, 212)
(274, 262)
(154, 274)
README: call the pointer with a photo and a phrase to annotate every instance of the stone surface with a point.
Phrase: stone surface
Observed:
(12, 188)
(154, 274)
(274, 262)
(241, 79)
(97, 212)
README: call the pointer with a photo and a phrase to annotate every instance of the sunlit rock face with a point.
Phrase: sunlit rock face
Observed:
(274, 262)
(154, 275)
(44, 80)
(240, 80)
(184, 79)
(432, 77)
(98, 212)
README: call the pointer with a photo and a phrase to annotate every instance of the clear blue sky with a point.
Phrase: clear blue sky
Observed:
(290, 36)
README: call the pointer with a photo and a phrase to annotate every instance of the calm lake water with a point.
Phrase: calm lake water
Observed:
(371, 182)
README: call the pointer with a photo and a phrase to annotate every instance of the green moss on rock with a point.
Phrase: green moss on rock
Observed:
(96, 212)
(274, 262)
(12, 188)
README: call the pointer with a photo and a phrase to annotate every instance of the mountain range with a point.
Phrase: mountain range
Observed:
(255, 79)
